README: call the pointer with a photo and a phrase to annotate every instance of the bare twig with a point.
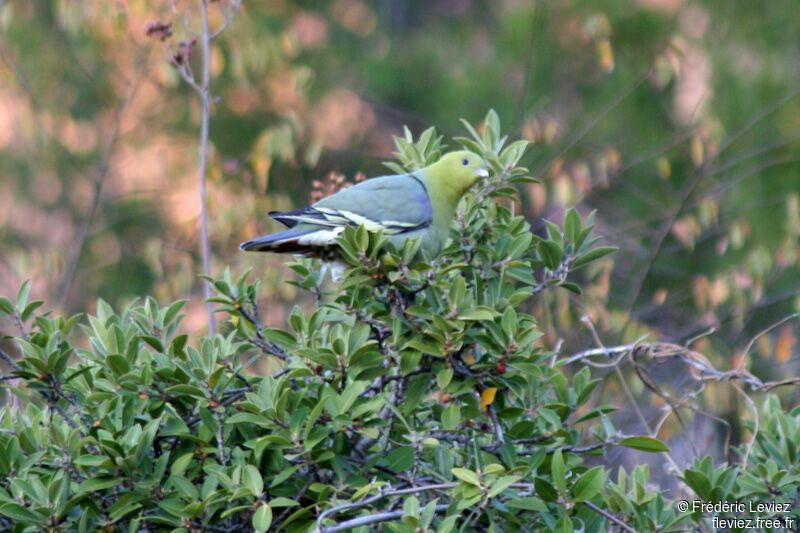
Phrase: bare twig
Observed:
(220, 439)
(53, 402)
(628, 393)
(372, 499)
(373, 519)
(7, 358)
(592, 122)
(743, 359)
(498, 429)
(267, 347)
(54, 385)
(205, 96)
(97, 187)
(20, 326)
(608, 516)
(229, 14)
(694, 179)
(608, 352)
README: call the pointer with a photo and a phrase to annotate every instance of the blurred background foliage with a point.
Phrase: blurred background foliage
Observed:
(677, 120)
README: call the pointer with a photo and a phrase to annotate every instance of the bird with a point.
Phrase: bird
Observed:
(420, 204)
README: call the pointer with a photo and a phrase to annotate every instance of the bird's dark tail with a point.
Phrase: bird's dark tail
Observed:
(283, 242)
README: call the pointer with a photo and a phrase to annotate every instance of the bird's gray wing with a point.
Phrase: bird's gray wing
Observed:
(396, 204)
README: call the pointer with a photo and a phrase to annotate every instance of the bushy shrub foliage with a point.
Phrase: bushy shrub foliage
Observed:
(413, 395)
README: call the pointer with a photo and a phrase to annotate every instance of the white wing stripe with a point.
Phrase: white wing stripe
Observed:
(334, 218)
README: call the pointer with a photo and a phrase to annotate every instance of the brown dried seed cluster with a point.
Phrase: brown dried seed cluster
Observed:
(332, 184)
(158, 30)
(181, 57)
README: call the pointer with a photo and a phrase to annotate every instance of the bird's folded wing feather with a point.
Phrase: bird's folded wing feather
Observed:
(396, 204)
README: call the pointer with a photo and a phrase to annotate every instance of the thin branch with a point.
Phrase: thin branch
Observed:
(7, 358)
(498, 429)
(694, 180)
(374, 519)
(628, 393)
(749, 347)
(609, 516)
(594, 120)
(220, 439)
(608, 352)
(20, 326)
(229, 14)
(372, 499)
(97, 189)
(53, 402)
(205, 96)
(269, 348)
(529, 68)
(188, 77)
(54, 385)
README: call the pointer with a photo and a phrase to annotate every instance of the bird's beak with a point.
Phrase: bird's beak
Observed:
(482, 173)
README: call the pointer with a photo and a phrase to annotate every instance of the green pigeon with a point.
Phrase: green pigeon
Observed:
(420, 204)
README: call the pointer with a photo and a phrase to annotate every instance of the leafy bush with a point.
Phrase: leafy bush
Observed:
(413, 394)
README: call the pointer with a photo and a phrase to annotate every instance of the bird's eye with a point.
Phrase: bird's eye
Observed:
(465, 162)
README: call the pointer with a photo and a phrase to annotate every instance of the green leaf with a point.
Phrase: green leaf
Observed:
(554, 233)
(529, 503)
(262, 518)
(29, 309)
(571, 287)
(467, 475)
(477, 314)
(21, 514)
(645, 444)
(99, 483)
(557, 471)
(411, 507)
(545, 489)
(280, 501)
(443, 378)
(22, 295)
(564, 525)
(126, 504)
(592, 255)
(118, 364)
(700, 484)
(401, 458)
(279, 336)
(551, 254)
(251, 478)
(589, 484)
(451, 417)
(572, 224)
(501, 484)
(189, 390)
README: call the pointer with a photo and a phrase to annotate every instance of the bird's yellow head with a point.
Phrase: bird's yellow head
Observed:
(460, 170)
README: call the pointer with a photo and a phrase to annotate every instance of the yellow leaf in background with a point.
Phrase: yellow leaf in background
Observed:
(783, 348)
(487, 397)
(605, 55)
(696, 150)
(660, 296)
(663, 167)
(235, 320)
